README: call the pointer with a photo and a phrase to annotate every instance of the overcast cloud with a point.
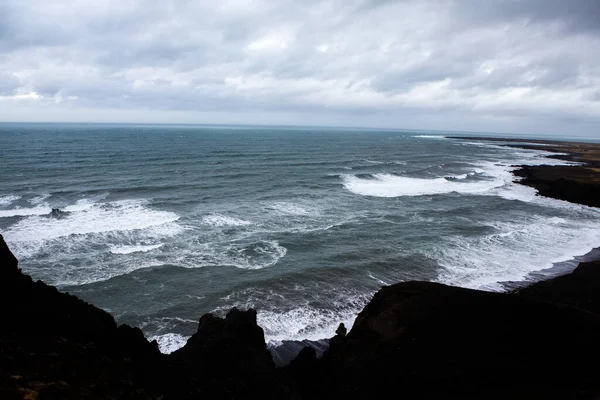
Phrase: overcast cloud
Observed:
(477, 65)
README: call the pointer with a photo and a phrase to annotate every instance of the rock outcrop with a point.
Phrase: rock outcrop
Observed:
(414, 339)
(571, 183)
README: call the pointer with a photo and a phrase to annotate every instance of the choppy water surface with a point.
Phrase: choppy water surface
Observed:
(160, 224)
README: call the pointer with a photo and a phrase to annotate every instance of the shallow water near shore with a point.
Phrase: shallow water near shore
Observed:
(159, 225)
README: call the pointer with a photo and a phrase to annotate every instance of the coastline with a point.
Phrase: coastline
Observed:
(413, 339)
(416, 339)
(579, 184)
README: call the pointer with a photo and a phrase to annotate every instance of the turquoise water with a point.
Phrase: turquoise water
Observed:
(160, 224)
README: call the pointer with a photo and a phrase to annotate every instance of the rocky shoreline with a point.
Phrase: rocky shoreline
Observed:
(577, 183)
(413, 339)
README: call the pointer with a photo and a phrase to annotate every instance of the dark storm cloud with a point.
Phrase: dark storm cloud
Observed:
(577, 15)
(365, 61)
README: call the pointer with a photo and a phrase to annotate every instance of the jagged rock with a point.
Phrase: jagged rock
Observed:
(413, 339)
(63, 347)
(233, 353)
(433, 340)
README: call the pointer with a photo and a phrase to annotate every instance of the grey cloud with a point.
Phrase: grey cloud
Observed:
(359, 59)
(578, 15)
(8, 84)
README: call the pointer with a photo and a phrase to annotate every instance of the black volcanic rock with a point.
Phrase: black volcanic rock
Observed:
(579, 289)
(430, 340)
(414, 339)
(575, 184)
(231, 355)
(55, 345)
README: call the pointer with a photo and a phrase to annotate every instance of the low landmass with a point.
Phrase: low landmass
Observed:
(575, 183)
(413, 339)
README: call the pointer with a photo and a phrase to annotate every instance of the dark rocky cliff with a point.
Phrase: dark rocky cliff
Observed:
(414, 339)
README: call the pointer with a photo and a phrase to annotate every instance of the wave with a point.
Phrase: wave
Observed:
(25, 212)
(387, 185)
(39, 200)
(494, 177)
(300, 319)
(134, 248)
(303, 323)
(515, 250)
(8, 200)
(220, 220)
(87, 218)
(256, 255)
(430, 136)
(169, 342)
(293, 209)
(88, 232)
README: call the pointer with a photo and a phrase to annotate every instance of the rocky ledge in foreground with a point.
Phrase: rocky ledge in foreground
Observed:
(414, 339)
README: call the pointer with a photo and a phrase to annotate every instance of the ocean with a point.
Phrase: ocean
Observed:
(161, 224)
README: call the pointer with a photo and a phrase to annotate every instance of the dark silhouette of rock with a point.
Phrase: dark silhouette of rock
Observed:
(57, 213)
(432, 340)
(341, 331)
(579, 289)
(55, 345)
(231, 351)
(413, 339)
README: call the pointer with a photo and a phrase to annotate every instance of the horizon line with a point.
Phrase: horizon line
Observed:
(417, 130)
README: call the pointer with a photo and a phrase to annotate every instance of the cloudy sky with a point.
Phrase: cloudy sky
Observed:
(477, 65)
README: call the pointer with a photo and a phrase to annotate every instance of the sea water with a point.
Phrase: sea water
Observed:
(161, 224)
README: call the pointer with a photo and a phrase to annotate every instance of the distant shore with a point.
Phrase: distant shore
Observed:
(578, 184)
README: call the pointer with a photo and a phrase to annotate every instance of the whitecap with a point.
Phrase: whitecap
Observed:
(24, 212)
(220, 220)
(387, 185)
(303, 323)
(257, 255)
(293, 209)
(514, 250)
(39, 200)
(430, 136)
(8, 200)
(134, 249)
(121, 215)
(124, 223)
(170, 342)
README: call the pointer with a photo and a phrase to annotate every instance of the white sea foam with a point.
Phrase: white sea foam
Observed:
(39, 200)
(374, 162)
(496, 178)
(80, 205)
(220, 220)
(293, 208)
(303, 320)
(430, 136)
(303, 323)
(387, 185)
(8, 200)
(257, 255)
(516, 249)
(134, 248)
(121, 215)
(24, 212)
(170, 342)
(122, 225)
(69, 275)
(242, 254)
